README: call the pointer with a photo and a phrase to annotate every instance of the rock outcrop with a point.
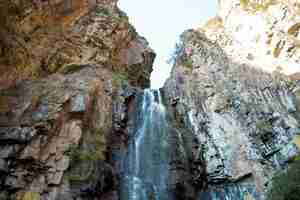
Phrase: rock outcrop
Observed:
(263, 33)
(239, 123)
(64, 101)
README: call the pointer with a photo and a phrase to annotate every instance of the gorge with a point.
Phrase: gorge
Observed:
(79, 122)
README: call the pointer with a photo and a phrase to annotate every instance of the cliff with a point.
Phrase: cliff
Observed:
(75, 123)
(263, 33)
(231, 102)
(68, 68)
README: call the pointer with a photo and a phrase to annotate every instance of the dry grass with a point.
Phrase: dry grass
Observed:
(254, 6)
(214, 23)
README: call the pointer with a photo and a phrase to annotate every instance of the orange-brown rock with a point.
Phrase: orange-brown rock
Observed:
(62, 95)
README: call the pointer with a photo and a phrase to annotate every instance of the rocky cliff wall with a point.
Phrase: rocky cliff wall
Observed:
(63, 102)
(263, 33)
(239, 124)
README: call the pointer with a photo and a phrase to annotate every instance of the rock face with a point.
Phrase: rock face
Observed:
(60, 114)
(62, 36)
(242, 119)
(261, 33)
(70, 93)
(239, 124)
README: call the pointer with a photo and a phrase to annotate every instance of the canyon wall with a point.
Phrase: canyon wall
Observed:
(228, 95)
(71, 77)
(64, 97)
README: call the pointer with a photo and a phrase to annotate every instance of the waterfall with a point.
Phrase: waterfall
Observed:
(147, 160)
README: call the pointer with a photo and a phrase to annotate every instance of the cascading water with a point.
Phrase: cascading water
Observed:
(147, 161)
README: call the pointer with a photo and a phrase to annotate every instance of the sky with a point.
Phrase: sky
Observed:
(161, 22)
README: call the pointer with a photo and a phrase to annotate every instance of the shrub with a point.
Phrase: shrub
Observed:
(286, 185)
(119, 79)
(102, 11)
(96, 142)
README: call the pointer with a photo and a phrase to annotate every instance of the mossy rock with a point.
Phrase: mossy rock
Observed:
(71, 68)
(29, 196)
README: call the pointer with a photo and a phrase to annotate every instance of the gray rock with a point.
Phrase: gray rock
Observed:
(16, 135)
(3, 166)
(245, 122)
(7, 151)
(78, 103)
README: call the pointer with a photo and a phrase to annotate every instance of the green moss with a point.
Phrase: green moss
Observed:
(71, 68)
(102, 11)
(119, 79)
(29, 196)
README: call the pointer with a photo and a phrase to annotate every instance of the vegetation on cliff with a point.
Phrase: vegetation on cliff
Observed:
(286, 185)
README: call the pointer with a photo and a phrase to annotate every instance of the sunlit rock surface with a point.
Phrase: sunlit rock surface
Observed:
(244, 120)
(264, 33)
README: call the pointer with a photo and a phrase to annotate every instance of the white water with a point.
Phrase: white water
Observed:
(148, 154)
